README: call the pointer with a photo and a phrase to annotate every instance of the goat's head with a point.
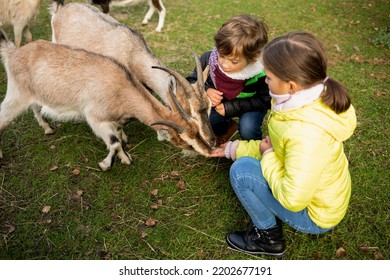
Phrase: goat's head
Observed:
(182, 130)
(194, 101)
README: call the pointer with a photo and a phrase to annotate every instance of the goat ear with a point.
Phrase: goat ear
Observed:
(163, 135)
(176, 127)
(172, 84)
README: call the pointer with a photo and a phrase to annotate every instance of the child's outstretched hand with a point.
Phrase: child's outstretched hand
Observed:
(218, 152)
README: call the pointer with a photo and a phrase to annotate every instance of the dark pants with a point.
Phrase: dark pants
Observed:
(249, 125)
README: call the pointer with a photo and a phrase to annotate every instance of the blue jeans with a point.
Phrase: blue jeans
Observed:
(256, 197)
(249, 125)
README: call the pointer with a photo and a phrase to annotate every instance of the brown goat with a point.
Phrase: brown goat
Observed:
(84, 26)
(56, 81)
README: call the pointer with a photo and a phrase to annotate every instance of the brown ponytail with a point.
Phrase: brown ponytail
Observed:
(336, 96)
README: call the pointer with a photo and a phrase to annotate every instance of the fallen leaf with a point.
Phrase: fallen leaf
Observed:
(46, 209)
(366, 248)
(143, 234)
(155, 206)
(143, 184)
(79, 193)
(181, 184)
(115, 216)
(175, 174)
(150, 222)
(76, 171)
(159, 202)
(154, 192)
(54, 167)
(363, 247)
(378, 255)
(340, 252)
(6, 229)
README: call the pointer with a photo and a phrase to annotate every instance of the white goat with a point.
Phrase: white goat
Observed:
(154, 5)
(57, 81)
(84, 26)
(19, 14)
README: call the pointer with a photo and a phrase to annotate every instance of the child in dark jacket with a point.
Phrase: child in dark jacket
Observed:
(236, 82)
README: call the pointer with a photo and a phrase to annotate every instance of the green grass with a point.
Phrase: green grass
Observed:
(101, 215)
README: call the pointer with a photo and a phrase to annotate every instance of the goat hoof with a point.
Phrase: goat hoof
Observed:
(103, 166)
(126, 161)
(49, 131)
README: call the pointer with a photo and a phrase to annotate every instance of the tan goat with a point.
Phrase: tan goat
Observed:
(19, 14)
(56, 81)
(84, 26)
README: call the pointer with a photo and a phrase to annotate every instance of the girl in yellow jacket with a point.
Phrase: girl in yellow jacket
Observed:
(299, 173)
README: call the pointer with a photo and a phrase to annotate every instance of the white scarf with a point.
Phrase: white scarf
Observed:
(251, 70)
(299, 99)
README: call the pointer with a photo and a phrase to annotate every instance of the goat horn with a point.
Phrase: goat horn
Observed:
(180, 108)
(176, 127)
(186, 85)
(200, 81)
(206, 72)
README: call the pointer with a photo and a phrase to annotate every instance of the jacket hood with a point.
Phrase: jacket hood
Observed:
(339, 126)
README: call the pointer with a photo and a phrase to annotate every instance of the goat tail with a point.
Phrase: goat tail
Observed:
(5, 45)
(4, 42)
(55, 4)
(3, 37)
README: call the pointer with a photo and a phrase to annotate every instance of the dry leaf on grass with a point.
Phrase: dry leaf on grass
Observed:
(46, 209)
(143, 184)
(79, 193)
(175, 174)
(157, 205)
(366, 248)
(340, 252)
(378, 255)
(53, 168)
(150, 222)
(76, 171)
(6, 229)
(181, 185)
(154, 192)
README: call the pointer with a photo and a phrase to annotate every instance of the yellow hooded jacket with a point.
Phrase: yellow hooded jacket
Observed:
(308, 167)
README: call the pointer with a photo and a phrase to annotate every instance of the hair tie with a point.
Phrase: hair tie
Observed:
(326, 78)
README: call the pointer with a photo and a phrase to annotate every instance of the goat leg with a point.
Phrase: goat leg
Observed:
(112, 137)
(41, 121)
